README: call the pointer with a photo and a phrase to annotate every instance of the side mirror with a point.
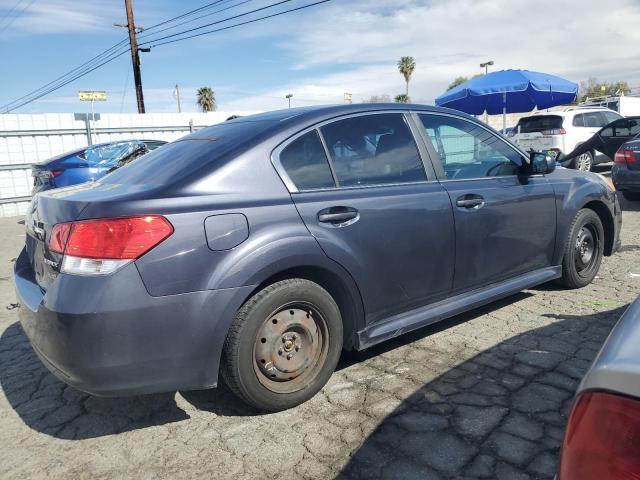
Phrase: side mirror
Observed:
(542, 163)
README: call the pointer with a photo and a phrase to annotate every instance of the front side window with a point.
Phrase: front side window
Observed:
(306, 164)
(625, 127)
(467, 150)
(376, 149)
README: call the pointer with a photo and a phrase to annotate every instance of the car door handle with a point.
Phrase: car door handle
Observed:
(337, 215)
(470, 202)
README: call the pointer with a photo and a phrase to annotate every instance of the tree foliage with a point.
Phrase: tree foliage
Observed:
(406, 66)
(593, 88)
(460, 80)
(402, 98)
(206, 99)
(384, 98)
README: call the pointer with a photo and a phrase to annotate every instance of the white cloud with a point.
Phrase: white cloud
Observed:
(574, 39)
(60, 16)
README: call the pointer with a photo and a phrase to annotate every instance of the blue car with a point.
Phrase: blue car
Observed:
(87, 163)
(261, 247)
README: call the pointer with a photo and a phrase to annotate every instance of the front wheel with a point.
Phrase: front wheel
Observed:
(583, 162)
(583, 250)
(283, 346)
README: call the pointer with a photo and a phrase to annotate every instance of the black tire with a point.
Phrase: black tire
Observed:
(293, 322)
(633, 196)
(583, 162)
(578, 266)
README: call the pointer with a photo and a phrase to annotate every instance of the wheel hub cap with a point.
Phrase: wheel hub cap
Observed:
(287, 344)
(585, 247)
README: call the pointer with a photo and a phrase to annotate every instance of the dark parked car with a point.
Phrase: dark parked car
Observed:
(263, 246)
(606, 140)
(602, 439)
(87, 163)
(626, 169)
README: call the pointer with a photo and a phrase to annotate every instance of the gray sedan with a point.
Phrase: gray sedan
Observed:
(602, 440)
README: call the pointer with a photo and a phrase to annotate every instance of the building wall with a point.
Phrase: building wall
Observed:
(31, 138)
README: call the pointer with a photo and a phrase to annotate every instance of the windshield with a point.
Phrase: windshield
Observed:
(108, 155)
(539, 123)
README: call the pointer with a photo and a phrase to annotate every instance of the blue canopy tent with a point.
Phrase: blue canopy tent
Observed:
(509, 91)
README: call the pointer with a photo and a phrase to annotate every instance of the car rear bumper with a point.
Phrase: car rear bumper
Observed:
(120, 340)
(625, 179)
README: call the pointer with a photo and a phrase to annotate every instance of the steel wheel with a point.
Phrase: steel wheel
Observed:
(585, 248)
(290, 347)
(584, 162)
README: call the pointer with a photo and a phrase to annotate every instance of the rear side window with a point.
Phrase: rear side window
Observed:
(594, 119)
(539, 123)
(376, 149)
(578, 120)
(306, 164)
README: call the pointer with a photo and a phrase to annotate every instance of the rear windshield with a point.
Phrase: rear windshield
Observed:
(181, 158)
(539, 123)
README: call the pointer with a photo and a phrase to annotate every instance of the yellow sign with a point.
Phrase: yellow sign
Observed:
(347, 97)
(92, 96)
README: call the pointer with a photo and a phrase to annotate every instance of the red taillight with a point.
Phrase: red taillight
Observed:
(110, 238)
(602, 441)
(555, 131)
(55, 173)
(59, 237)
(625, 156)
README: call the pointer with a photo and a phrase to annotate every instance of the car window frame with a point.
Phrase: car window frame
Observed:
(437, 160)
(423, 154)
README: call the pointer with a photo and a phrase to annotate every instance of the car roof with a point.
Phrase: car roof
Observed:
(570, 111)
(280, 120)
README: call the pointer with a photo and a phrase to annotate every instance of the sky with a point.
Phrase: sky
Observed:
(316, 54)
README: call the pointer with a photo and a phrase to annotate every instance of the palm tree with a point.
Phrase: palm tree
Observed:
(206, 99)
(402, 98)
(406, 66)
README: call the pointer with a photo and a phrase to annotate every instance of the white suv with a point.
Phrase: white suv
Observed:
(559, 132)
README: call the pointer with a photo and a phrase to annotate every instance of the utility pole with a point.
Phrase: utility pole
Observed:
(288, 96)
(135, 57)
(178, 98)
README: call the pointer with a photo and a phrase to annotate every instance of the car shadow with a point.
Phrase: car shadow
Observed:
(499, 415)
(49, 406)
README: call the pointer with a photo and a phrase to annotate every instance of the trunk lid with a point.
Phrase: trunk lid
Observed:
(46, 210)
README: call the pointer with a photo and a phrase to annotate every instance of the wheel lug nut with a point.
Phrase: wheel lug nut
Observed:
(284, 340)
(297, 348)
(289, 357)
(294, 336)
(279, 352)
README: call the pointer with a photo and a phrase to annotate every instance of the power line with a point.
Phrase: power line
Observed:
(153, 44)
(85, 65)
(112, 52)
(6, 15)
(8, 24)
(186, 14)
(215, 23)
(75, 77)
(144, 34)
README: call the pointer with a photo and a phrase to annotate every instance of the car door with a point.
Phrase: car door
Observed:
(360, 185)
(505, 223)
(617, 133)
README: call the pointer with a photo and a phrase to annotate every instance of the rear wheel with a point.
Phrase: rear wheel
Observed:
(631, 195)
(583, 250)
(583, 162)
(283, 346)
